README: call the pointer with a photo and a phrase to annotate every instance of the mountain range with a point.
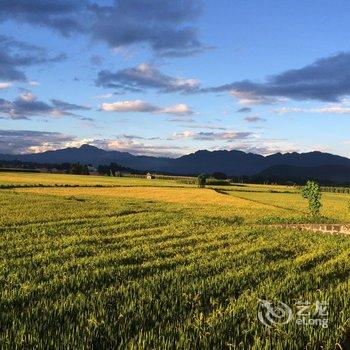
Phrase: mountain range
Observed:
(233, 163)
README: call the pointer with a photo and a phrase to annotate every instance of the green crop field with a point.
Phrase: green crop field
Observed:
(127, 263)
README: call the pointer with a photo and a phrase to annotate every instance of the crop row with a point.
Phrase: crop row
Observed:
(132, 274)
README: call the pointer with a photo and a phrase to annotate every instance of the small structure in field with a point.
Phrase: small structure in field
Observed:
(92, 170)
(150, 176)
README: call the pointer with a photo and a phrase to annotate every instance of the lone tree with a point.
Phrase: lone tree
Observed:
(78, 169)
(312, 192)
(201, 180)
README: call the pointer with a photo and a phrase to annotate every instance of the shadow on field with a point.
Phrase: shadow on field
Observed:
(217, 190)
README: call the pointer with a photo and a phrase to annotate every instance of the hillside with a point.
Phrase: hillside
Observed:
(232, 163)
(338, 174)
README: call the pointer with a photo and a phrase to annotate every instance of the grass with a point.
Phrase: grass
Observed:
(162, 268)
(206, 200)
(334, 205)
(27, 179)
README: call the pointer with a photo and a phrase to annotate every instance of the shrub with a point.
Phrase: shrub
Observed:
(201, 180)
(312, 192)
(217, 182)
(219, 176)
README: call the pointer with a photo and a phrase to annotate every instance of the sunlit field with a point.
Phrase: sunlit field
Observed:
(78, 180)
(156, 264)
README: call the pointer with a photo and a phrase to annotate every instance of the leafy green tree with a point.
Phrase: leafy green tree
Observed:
(78, 169)
(201, 180)
(85, 170)
(312, 192)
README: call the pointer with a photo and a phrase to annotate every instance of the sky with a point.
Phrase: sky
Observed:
(167, 78)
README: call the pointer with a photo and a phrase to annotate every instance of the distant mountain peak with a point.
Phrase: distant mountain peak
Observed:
(88, 147)
(232, 162)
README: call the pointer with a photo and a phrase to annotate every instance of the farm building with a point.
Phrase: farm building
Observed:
(150, 176)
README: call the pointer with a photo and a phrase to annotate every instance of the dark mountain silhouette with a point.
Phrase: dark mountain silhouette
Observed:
(232, 163)
(331, 174)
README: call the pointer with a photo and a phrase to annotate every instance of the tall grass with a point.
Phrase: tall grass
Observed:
(89, 271)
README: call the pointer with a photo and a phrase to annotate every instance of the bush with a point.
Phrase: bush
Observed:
(201, 180)
(217, 182)
(312, 192)
(78, 169)
(219, 176)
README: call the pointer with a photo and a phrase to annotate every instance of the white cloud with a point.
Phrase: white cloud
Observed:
(128, 106)
(184, 134)
(4, 86)
(102, 97)
(195, 125)
(24, 141)
(331, 109)
(249, 98)
(34, 83)
(27, 105)
(186, 83)
(179, 109)
(145, 107)
(28, 97)
(140, 148)
(265, 147)
(212, 136)
(27, 141)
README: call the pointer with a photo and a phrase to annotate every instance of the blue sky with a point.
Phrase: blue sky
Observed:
(163, 77)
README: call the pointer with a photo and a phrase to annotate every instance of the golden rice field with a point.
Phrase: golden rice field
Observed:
(63, 179)
(155, 264)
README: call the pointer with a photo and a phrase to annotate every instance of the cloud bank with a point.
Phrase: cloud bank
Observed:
(326, 79)
(16, 55)
(212, 136)
(145, 76)
(27, 106)
(165, 26)
(145, 107)
(26, 141)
